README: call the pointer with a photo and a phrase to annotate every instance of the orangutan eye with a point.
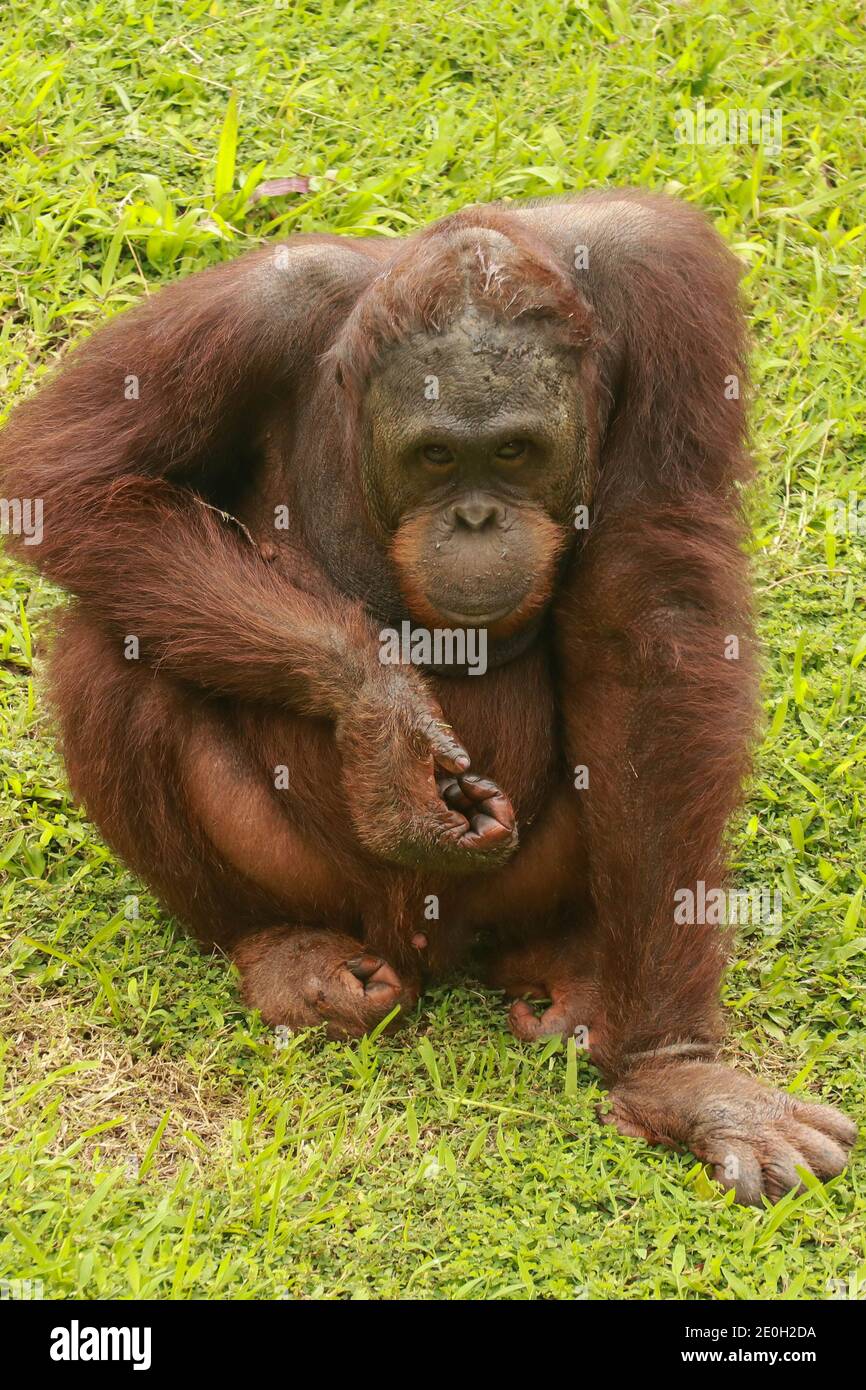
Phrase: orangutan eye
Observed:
(438, 454)
(513, 449)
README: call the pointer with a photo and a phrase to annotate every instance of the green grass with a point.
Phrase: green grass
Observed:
(154, 1141)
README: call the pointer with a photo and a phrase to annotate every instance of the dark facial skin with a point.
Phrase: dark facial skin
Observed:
(475, 455)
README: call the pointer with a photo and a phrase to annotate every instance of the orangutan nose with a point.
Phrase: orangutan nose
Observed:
(476, 512)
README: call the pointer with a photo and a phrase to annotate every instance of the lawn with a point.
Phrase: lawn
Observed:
(156, 1142)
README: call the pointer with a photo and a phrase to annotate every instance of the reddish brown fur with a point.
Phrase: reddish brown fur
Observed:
(246, 665)
(126, 533)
